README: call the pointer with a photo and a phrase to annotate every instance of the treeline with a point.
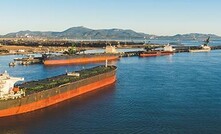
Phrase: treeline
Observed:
(66, 43)
(4, 51)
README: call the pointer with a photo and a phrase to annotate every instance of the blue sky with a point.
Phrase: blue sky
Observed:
(161, 17)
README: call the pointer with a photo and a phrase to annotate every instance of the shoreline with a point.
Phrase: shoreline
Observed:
(23, 50)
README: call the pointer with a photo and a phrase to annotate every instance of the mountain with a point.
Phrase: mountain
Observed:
(81, 33)
(27, 33)
(105, 34)
(191, 36)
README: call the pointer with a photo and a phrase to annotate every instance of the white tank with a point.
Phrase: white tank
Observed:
(110, 49)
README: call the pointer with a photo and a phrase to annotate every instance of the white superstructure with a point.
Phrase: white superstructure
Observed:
(110, 49)
(168, 47)
(7, 89)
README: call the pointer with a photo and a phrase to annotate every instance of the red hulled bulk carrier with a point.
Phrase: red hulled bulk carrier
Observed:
(31, 96)
(110, 54)
(79, 59)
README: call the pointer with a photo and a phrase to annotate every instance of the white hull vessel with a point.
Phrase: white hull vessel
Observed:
(200, 50)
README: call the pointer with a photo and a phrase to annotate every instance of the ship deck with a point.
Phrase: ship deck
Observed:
(48, 83)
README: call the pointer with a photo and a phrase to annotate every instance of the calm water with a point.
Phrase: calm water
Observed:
(169, 94)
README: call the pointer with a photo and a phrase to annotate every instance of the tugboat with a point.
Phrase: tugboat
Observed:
(7, 89)
(202, 48)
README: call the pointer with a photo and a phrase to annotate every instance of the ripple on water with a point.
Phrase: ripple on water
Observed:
(168, 94)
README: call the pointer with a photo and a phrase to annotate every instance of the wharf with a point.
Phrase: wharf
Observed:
(178, 49)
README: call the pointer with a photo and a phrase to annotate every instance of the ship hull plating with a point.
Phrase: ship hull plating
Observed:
(152, 54)
(81, 60)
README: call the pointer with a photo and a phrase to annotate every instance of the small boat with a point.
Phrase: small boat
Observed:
(12, 64)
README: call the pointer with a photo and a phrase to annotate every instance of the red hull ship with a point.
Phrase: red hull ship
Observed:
(79, 59)
(155, 53)
(110, 54)
(40, 94)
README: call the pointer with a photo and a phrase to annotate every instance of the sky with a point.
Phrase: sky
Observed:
(159, 17)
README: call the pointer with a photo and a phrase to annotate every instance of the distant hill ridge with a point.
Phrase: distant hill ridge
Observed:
(105, 34)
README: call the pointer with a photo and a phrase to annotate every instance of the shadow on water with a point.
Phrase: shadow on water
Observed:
(21, 124)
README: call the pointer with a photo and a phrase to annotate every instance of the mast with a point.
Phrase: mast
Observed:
(206, 42)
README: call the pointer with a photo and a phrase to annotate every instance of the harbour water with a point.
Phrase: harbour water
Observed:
(169, 94)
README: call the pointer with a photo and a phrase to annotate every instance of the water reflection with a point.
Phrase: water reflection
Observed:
(26, 123)
(167, 94)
